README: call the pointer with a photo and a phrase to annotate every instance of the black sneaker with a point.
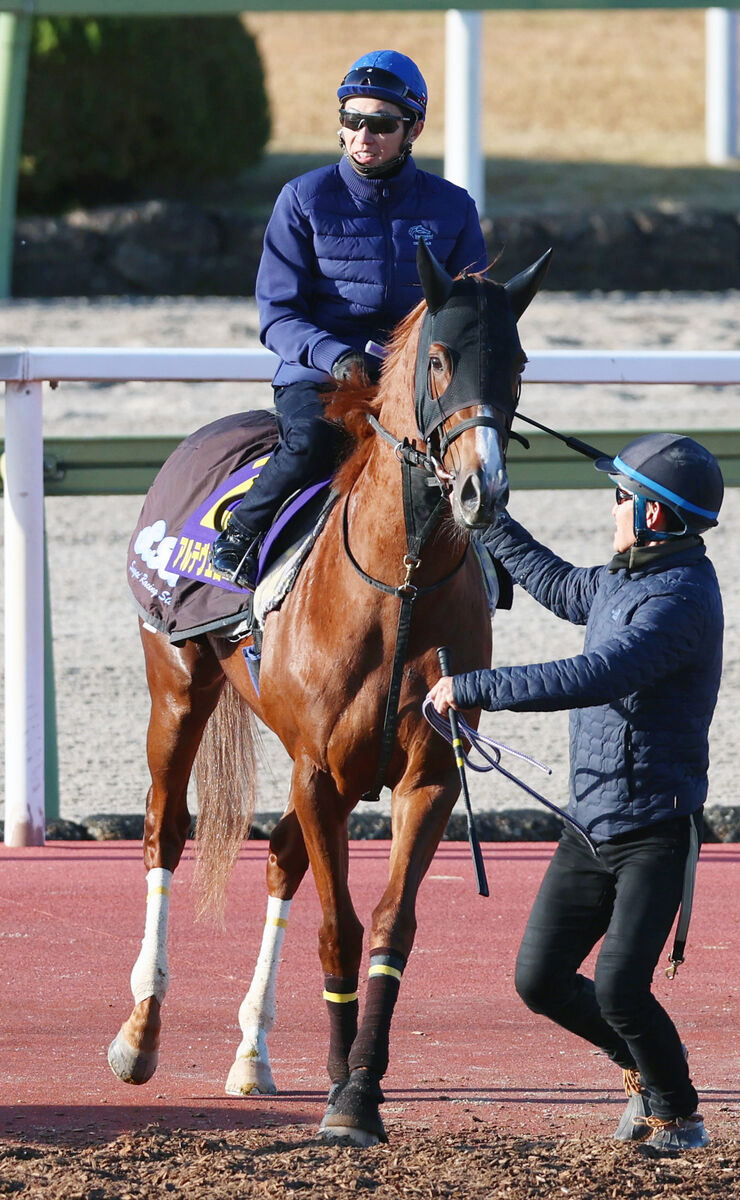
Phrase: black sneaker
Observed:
(235, 555)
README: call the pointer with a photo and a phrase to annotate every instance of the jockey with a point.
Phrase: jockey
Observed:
(338, 269)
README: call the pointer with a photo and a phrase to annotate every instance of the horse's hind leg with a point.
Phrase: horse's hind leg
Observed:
(286, 866)
(184, 683)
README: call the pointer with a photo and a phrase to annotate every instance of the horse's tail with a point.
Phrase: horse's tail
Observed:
(225, 776)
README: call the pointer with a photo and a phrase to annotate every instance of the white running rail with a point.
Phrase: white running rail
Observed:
(26, 370)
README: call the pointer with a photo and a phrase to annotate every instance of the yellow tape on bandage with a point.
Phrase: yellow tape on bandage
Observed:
(279, 921)
(157, 891)
(340, 997)
(382, 969)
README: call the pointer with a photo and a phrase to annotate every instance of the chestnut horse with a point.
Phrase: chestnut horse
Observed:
(428, 466)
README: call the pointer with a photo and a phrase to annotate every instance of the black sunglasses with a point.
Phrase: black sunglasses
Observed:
(373, 122)
(621, 496)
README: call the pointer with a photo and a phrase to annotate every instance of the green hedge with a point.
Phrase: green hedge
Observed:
(119, 108)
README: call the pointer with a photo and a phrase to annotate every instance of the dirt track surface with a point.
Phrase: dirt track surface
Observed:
(102, 701)
(483, 1098)
(469, 1162)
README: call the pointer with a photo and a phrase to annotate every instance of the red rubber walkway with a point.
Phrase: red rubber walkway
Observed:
(464, 1049)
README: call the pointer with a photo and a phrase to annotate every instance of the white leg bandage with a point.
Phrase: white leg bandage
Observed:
(150, 976)
(258, 1008)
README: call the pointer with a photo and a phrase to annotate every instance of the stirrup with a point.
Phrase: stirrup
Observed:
(235, 556)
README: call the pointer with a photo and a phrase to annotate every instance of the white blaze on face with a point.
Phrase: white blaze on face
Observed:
(492, 461)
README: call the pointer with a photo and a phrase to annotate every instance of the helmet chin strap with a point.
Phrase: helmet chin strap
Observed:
(643, 533)
(386, 168)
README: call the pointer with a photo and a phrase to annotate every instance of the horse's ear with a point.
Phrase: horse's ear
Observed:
(523, 288)
(435, 282)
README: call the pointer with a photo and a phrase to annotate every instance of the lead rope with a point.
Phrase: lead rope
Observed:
(483, 744)
(676, 956)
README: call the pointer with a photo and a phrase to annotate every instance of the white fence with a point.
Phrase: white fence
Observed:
(25, 371)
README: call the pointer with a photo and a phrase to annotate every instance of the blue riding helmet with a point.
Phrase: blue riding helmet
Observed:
(387, 75)
(678, 472)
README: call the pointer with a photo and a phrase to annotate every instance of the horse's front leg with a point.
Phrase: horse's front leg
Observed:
(286, 865)
(420, 815)
(184, 684)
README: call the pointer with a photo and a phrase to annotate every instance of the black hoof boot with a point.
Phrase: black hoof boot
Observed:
(235, 555)
(353, 1113)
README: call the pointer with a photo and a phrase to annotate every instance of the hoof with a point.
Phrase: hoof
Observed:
(331, 1102)
(352, 1112)
(347, 1135)
(129, 1065)
(250, 1075)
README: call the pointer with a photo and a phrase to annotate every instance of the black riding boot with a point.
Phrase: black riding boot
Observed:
(235, 554)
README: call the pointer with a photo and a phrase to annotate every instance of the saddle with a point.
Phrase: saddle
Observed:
(174, 588)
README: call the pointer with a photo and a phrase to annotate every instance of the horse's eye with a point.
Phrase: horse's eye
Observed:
(436, 364)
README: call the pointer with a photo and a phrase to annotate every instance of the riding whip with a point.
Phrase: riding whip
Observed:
(573, 442)
(443, 655)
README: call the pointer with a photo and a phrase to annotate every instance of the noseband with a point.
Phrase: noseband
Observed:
(446, 439)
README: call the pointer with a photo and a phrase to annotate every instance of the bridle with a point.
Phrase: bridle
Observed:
(423, 504)
(471, 314)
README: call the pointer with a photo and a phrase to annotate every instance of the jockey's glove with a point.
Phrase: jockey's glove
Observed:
(366, 365)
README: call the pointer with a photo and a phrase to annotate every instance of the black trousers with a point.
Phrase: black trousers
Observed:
(308, 451)
(629, 896)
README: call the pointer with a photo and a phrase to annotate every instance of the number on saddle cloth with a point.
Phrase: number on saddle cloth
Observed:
(175, 589)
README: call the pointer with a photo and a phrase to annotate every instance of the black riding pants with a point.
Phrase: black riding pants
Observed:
(308, 450)
(629, 896)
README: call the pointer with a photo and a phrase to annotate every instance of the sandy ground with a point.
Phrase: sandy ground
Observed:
(101, 692)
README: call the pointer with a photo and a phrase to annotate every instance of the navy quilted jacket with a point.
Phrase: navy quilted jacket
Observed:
(642, 692)
(338, 266)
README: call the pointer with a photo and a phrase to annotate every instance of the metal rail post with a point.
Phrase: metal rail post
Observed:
(463, 153)
(721, 99)
(24, 615)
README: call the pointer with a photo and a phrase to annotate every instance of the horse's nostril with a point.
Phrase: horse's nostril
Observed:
(470, 493)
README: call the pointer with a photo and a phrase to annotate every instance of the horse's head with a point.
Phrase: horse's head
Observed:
(468, 376)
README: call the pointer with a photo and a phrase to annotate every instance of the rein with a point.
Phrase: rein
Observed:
(492, 756)
(407, 588)
(403, 450)
(421, 515)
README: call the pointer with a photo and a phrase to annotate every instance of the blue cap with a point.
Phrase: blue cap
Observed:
(674, 470)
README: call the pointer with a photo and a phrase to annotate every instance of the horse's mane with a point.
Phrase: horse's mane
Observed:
(351, 404)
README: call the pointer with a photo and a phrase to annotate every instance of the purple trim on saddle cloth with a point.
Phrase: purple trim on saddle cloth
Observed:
(284, 517)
